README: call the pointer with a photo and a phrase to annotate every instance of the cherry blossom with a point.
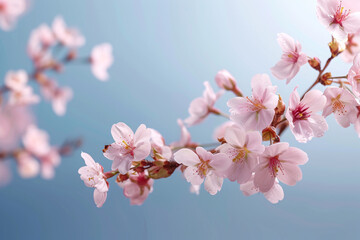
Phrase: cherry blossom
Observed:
(10, 10)
(291, 60)
(185, 137)
(352, 47)
(256, 112)
(93, 176)
(279, 161)
(302, 115)
(28, 166)
(128, 146)
(49, 161)
(203, 165)
(16, 81)
(201, 107)
(69, 37)
(342, 103)
(25, 96)
(101, 59)
(243, 148)
(274, 195)
(159, 150)
(59, 96)
(225, 80)
(36, 141)
(137, 188)
(338, 18)
(354, 75)
(220, 131)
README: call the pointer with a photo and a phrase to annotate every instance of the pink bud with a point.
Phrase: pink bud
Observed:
(225, 80)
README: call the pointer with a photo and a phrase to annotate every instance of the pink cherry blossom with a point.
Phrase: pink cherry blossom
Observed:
(243, 148)
(220, 131)
(10, 10)
(28, 166)
(357, 121)
(36, 141)
(93, 176)
(354, 75)
(302, 115)
(59, 96)
(49, 161)
(274, 195)
(203, 165)
(69, 37)
(16, 81)
(128, 147)
(338, 17)
(225, 80)
(291, 60)
(256, 112)
(279, 161)
(14, 120)
(101, 59)
(201, 107)
(5, 173)
(342, 103)
(24, 96)
(352, 47)
(159, 150)
(185, 137)
(137, 188)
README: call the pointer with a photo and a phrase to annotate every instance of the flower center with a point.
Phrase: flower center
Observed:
(203, 167)
(301, 113)
(275, 166)
(242, 155)
(340, 15)
(256, 105)
(2, 7)
(337, 105)
(351, 43)
(292, 57)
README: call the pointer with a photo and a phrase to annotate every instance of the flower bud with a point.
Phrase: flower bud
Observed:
(324, 79)
(315, 63)
(225, 80)
(280, 108)
(336, 47)
(162, 169)
(269, 132)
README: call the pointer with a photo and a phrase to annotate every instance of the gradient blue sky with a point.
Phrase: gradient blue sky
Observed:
(164, 50)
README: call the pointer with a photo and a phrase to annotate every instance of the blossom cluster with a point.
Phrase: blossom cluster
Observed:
(248, 150)
(50, 49)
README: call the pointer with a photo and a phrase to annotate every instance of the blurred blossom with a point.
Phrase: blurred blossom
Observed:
(10, 10)
(101, 59)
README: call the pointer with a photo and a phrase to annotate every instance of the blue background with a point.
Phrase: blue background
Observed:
(164, 50)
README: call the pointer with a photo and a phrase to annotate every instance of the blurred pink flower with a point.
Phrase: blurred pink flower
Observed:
(24, 96)
(14, 120)
(137, 188)
(338, 18)
(185, 137)
(28, 166)
(243, 148)
(101, 59)
(16, 81)
(201, 107)
(10, 10)
(49, 161)
(342, 103)
(36, 141)
(291, 60)
(93, 176)
(274, 195)
(69, 37)
(257, 112)
(354, 75)
(59, 96)
(279, 161)
(302, 115)
(128, 146)
(352, 47)
(203, 165)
